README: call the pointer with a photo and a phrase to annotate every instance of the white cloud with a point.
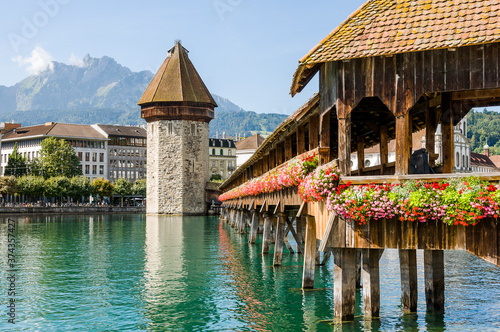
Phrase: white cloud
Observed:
(39, 61)
(76, 61)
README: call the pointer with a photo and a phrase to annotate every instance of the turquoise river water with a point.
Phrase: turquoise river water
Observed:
(138, 273)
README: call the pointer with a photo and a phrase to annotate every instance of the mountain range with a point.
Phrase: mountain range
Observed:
(100, 90)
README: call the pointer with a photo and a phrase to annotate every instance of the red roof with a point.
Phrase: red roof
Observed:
(478, 159)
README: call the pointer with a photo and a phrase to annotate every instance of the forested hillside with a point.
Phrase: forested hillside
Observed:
(484, 127)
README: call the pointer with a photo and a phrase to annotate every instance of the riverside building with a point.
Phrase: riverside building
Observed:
(95, 145)
(222, 157)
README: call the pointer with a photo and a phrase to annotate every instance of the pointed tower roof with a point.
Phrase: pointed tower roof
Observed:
(177, 81)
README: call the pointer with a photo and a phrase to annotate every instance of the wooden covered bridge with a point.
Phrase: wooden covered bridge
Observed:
(394, 67)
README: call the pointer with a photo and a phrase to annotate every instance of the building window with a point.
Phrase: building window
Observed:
(87, 169)
(213, 152)
(101, 157)
(101, 169)
(87, 156)
(94, 169)
(228, 152)
(94, 156)
(221, 164)
(458, 159)
(80, 156)
(213, 163)
(221, 152)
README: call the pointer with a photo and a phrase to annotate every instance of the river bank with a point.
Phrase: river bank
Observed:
(5, 210)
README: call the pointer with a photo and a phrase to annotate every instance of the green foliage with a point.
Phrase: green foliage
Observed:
(102, 187)
(58, 158)
(484, 128)
(139, 187)
(244, 123)
(8, 185)
(57, 186)
(123, 187)
(79, 186)
(31, 185)
(16, 165)
(216, 177)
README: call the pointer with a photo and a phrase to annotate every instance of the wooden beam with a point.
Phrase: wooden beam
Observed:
(301, 139)
(344, 283)
(325, 136)
(309, 253)
(434, 280)
(254, 227)
(288, 147)
(361, 153)
(279, 240)
(403, 143)
(314, 132)
(409, 284)
(447, 130)
(344, 145)
(327, 235)
(475, 94)
(430, 133)
(300, 248)
(384, 147)
(371, 281)
(266, 236)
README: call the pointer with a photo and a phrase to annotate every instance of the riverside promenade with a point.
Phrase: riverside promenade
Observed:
(70, 209)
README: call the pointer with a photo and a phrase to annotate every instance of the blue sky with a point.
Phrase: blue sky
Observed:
(246, 51)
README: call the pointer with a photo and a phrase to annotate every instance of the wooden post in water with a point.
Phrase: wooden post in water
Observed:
(278, 244)
(434, 280)
(371, 282)
(344, 283)
(359, 264)
(309, 253)
(409, 285)
(254, 227)
(266, 235)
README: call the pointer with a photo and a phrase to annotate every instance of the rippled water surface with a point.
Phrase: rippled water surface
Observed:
(132, 272)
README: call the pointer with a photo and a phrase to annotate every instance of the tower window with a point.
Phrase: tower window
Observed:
(193, 129)
(170, 129)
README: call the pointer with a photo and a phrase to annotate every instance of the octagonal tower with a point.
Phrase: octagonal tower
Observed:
(177, 107)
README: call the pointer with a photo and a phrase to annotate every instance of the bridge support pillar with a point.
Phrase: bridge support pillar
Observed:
(344, 283)
(371, 281)
(280, 235)
(242, 223)
(409, 285)
(309, 253)
(254, 227)
(434, 280)
(266, 235)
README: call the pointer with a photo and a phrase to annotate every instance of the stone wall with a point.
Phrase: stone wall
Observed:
(177, 169)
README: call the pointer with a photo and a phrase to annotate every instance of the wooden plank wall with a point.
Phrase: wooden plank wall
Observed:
(406, 77)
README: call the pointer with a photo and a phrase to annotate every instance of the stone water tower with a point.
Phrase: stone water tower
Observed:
(177, 107)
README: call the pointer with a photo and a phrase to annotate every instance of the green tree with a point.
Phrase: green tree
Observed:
(79, 187)
(8, 185)
(16, 165)
(57, 158)
(139, 187)
(57, 186)
(31, 185)
(216, 177)
(123, 187)
(102, 187)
